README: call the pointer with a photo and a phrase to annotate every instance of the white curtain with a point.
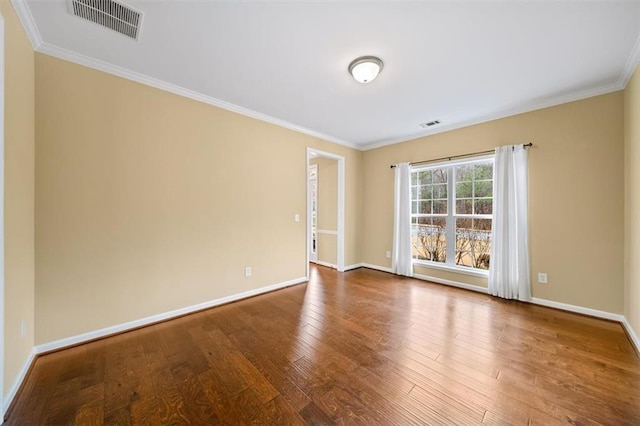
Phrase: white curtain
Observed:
(401, 260)
(509, 271)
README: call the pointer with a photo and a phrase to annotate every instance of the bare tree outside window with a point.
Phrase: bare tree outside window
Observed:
(429, 239)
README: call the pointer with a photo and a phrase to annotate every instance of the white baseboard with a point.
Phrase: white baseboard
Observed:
(18, 382)
(635, 340)
(451, 283)
(368, 266)
(351, 267)
(632, 334)
(81, 338)
(376, 267)
(577, 309)
(535, 300)
(327, 264)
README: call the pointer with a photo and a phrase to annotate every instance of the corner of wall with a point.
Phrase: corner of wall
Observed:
(19, 208)
(632, 206)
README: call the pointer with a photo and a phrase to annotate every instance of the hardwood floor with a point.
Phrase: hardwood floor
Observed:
(363, 347)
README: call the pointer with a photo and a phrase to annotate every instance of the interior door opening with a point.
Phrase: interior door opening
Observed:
(325, 209)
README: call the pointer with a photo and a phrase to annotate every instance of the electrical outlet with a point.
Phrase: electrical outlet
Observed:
(247, 271)
(296, 217)
(388, 255)
(542, 278)
(23, 329)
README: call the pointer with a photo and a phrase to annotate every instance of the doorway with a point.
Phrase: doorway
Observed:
(325, 208)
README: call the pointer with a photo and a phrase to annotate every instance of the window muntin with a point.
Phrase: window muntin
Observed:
(451, 213)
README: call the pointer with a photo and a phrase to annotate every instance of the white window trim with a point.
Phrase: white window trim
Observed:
(457, 162)
(476, 272)
(484, 273)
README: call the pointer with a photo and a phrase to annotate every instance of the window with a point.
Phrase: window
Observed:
(451, 210)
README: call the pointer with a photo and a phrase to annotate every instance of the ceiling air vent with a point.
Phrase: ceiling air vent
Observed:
(110, 14)
(429, 124)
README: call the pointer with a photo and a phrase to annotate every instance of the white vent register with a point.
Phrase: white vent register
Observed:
(110, 14)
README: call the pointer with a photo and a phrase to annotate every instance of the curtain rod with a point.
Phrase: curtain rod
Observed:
(459, 156)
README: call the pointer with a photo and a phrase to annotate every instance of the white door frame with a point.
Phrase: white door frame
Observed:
(2, 345)
(341, 204)
(313, 256)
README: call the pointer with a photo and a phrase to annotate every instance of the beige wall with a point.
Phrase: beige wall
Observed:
(632, 201)
(136, 201)
(18, 196)
(576, 195)
(327, 209)
(148, 202)
(328, 249)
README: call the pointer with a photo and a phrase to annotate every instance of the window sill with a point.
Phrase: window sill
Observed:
(457, 269)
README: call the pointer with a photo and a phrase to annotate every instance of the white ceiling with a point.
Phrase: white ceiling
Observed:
(286, 62)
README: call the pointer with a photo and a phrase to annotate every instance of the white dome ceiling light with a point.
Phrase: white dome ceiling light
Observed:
(365, 68)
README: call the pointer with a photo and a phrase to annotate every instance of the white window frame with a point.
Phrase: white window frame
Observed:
(451, 216)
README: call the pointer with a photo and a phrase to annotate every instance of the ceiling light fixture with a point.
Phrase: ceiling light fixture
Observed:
(365, 68)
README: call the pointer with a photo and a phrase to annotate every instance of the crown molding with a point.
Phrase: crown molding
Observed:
(30, 27)
(630, 66)
(521, 109)
(68, 55)
(28, 23)
(26, 18)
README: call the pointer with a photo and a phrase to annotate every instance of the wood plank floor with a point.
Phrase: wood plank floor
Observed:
(363, 347)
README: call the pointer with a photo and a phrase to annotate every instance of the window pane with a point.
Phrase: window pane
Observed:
(414, 192)
(484, 171)
(440, 207)
(473, 243)
(414, 207)
(482, 225)
(464, 223)
(439, 221)
(464, 207)
(483, 206)
(464, 190)
(440, 176)
(464, 173)
(425, 192)
(428, 237)
(425, 207)
(483, 188)
(425, 177)
(440, 191)
(414, 178)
